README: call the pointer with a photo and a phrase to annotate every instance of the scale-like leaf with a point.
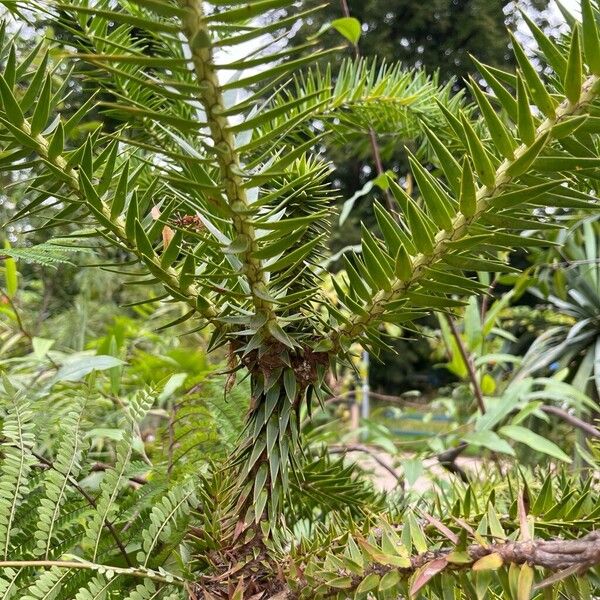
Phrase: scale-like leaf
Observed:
(42, 108)
(481, 160)
(573, 74)
(525, 121)
(10, 106)
(536, 87)
(504, 142)
(505, 98)
(468, 192)
(591, 37)
(437, 201)
(448, 163)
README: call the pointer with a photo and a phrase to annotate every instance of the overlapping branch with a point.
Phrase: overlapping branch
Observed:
(503, 176)
(102, 212)
(562, 557)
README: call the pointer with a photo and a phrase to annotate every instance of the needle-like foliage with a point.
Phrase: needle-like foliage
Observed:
(214, 182)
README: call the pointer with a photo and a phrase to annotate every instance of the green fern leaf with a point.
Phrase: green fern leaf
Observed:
(47, 254)
(18, 434)
(8, 583)
(144, 591)
(106, 505)
(165, 514)
(57, 481)
(98, 588)
(48, 585)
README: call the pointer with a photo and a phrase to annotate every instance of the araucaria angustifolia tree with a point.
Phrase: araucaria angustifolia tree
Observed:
(214, 186)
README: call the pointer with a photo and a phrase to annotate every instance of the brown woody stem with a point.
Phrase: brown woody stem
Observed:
(568, 556)
(375, 149)
(468, 360)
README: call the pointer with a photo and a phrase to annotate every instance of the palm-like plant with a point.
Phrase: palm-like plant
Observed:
(503, 395)
(571, 287)
(215, 186)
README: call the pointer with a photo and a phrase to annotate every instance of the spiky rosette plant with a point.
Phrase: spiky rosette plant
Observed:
(214, 184)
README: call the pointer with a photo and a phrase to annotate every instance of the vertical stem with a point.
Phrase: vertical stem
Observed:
(375, 149)
(486, 298)
(264, 456)
(365, 406)
(469, 364)
(211, 96)
(171, 448)
(354, 414)
(474, 381)
(345, 8)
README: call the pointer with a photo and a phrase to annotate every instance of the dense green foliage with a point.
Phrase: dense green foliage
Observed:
(213, 189)
(439, 36)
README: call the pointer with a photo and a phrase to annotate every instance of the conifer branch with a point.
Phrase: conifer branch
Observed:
(211, 96)
(485, 195)
(102, 212)
(562, 557)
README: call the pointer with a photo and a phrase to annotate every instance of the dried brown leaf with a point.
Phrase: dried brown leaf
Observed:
(427, 572)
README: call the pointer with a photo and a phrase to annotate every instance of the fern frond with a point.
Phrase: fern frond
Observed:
(47, 585)
(67, 529)
(17, 463)
(227, 410)
(176, 595)
(187, 442)
(143, 499)
(144, 591)
(48, 254)
(77, 564)
(323, 485)
(97, 588)
(57, 482)
(106, 504)
(8, 583)
(164, 517)
(106, 507)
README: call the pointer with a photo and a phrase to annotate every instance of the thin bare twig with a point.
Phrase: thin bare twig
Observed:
(375, 149)
(349, 396)
(82, 564)
(13, 306)
(101, 467)
(571, 419)
(360, 448)
(468, 360)
(469, 364)
(171, 448)
(486, 298)
(447, 459)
